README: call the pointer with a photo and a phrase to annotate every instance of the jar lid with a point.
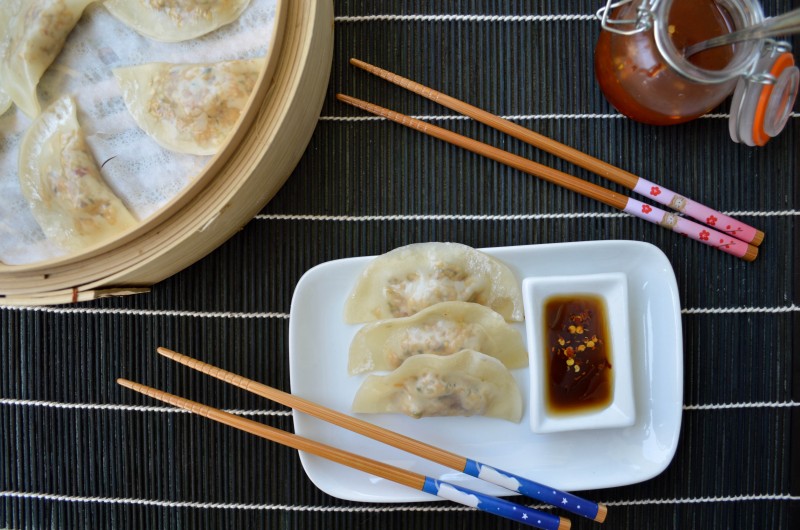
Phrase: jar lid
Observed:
(760, 110)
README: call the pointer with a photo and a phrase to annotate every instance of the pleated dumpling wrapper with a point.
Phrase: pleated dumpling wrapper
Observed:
(176, 20)
(37, 30)
(467, 383)
(442, 329)
(60, 179)
(189, 108)
(408, 279)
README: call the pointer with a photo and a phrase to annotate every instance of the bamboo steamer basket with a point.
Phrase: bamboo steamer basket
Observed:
(272, 135)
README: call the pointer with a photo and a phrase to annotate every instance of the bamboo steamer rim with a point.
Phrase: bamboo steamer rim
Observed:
(272, 135)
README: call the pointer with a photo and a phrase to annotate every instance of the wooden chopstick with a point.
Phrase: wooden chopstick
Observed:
(660, 194)
(481, 501)
(674, 222)
(534, 490)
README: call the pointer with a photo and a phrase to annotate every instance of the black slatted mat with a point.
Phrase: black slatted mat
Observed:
(78, 452)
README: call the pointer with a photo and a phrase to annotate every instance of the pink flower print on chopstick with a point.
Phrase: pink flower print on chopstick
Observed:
(696, 210)
(686, 227)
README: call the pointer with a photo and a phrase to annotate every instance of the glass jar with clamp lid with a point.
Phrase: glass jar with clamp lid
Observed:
(642, 70)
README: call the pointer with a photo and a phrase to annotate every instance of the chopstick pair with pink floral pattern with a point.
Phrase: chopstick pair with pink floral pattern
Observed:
(720, 231)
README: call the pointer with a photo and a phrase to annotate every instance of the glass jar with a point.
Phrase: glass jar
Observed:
(640, 67)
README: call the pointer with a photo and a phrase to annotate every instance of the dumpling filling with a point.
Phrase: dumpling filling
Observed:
(198, 100)
(441, 338)
(176, 20)
(467, 383)
(60, 179)
(411, 278)
(36, 34)
(189, 108)
(442, 329)
(433, 394)
(416, 291)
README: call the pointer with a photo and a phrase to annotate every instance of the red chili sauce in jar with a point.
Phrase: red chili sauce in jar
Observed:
(637, 80)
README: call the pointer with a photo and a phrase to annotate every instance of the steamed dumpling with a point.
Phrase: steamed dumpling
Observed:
(467, 383)
(411, 278)
(37, 30)
(176, 20)
(189, 108)
(60, 179)
(442, 329)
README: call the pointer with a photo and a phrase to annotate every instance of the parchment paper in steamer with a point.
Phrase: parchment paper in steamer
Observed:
(142, 173)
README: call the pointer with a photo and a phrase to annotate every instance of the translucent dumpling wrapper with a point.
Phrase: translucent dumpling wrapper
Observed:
(5, 102)
(60, 179)
(176, 20)
(442, 329)
(189, 108)
(467, 383)
(37, 30)
(5, 30)
(408, 279)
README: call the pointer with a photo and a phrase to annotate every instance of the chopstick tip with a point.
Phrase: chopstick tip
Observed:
(346, 99)
(564, 523)
(125, 382)
(602, 511)
(166, 352)
(751, 253)
(758, 238)
(360, 64)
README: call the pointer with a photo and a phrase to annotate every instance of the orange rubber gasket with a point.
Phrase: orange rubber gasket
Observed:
(760, 137)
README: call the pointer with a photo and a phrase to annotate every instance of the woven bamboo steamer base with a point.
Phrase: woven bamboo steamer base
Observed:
(234, 186)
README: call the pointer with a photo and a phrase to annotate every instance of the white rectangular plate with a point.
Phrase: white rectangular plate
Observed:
(318, 347)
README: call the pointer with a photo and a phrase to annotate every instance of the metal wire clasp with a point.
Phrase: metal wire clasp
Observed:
(642, 22)
(770, 48)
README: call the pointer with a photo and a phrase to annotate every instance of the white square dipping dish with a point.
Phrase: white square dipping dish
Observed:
(612, 290)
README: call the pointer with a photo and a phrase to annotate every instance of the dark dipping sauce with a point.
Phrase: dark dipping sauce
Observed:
(577, 354)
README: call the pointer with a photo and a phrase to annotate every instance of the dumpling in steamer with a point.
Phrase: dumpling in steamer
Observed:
(60, 179)
(5, 30)
(442, 329)
(411, 278)
(37, 30)
(189, 108)
(176, 20)
(467, 383)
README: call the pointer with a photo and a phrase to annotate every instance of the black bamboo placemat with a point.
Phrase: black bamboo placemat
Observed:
(79, 452)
